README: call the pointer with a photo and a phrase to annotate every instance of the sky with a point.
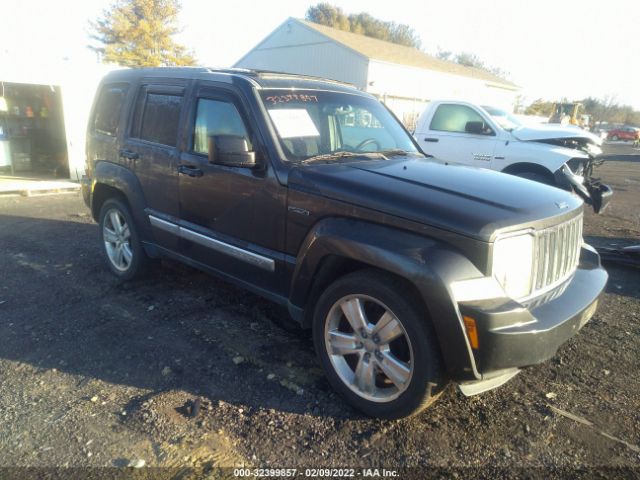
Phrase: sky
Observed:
(553, 49)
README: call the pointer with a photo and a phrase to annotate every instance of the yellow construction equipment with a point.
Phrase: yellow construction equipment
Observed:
(569, 113)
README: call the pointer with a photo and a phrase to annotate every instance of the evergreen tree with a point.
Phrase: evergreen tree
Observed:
(139, 33)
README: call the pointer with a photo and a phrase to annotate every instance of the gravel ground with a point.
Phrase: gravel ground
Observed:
(184, 371)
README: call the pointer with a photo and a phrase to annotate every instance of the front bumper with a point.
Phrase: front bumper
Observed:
(591, 190)
(515, 335)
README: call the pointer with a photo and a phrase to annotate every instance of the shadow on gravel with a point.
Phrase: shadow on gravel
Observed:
(622, 277)
(177, 329)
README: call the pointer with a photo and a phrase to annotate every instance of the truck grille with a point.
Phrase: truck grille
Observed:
(556, 253)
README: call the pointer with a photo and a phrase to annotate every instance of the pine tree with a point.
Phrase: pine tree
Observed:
(139, 33)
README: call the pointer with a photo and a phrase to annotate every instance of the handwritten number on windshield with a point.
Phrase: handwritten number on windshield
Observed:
(291, 97)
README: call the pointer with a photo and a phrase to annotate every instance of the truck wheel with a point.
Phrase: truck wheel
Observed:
(377, 346)
(614, 138)
(534, 176)
(120, 242)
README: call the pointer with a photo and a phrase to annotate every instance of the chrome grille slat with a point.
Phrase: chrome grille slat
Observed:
(564, 247)
(557, 252)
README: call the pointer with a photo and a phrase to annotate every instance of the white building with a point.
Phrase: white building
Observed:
(44, 109)
(403, 77)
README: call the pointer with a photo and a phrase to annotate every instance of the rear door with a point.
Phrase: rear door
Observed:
(150, 150)
(446, 137)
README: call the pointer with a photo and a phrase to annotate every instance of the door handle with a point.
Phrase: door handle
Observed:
(430, 139)
(129, 154)
(190, 170)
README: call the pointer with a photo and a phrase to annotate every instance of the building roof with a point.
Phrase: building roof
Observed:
(399, 54)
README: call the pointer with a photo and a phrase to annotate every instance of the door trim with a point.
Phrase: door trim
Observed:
(247, 256)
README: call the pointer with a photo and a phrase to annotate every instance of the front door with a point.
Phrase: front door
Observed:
(447, 137)
(231, 218)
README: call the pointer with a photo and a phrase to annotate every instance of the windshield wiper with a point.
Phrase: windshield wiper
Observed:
(393, 152)
(338, 155)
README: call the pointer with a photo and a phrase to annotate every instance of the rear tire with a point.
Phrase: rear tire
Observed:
(614, 138)
(389, 370)
(120, 241)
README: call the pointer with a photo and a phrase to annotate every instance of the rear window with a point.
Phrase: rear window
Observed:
(158, 117)
(107, 114)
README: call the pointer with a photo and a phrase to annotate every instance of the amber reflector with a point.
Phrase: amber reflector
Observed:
(472, 331)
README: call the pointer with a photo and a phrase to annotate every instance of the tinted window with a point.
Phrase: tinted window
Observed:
(454, 118)
(160, 118)
(216, 117)
(108, 109)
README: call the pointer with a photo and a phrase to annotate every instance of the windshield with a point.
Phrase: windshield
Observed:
(314, 123)
(504, 119)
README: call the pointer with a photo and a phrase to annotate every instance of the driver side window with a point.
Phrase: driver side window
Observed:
(454, 118)
(217, 117)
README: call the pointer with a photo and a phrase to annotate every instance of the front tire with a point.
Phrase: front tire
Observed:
(377, 346)
(120, 241)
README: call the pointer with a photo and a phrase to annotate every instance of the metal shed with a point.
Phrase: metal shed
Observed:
(404, 78)
(43, 116)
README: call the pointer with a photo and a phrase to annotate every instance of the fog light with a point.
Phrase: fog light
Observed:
(472, 331)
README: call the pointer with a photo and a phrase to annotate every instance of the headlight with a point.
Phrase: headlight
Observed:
(513, 264)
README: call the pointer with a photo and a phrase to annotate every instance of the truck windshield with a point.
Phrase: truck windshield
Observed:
(322, 124)
(504, 119)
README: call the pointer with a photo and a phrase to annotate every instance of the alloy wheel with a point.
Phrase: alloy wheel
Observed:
(117, 240)
(369, 348)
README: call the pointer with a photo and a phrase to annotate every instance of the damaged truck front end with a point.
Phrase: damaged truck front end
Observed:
(577, 174)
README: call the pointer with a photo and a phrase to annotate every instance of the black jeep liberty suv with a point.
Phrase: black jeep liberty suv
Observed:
(410, 272)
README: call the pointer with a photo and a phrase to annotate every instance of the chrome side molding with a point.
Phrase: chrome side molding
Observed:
(241, 254)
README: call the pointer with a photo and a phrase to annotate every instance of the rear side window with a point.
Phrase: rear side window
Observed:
(157, 117)
(107, 114)
(453, 118)
(217, 117)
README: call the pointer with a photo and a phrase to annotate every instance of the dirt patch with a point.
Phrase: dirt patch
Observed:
(98, 373)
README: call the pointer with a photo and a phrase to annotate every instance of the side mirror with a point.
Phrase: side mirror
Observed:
(231, 150)
(477, 128)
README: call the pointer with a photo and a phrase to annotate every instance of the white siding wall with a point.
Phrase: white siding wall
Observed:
(295, 48)
(406, 89)
(78, 83)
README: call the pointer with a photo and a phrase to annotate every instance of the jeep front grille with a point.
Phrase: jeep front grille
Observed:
(556, 253)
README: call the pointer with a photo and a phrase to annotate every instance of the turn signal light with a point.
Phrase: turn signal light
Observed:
(472, 331)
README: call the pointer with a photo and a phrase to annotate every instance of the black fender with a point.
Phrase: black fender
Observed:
(428, 264)
(125, 181)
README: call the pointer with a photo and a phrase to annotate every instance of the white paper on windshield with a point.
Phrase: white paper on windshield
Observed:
(293, 122)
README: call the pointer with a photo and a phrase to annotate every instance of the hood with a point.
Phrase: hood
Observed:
(553, 131)
(470, 201)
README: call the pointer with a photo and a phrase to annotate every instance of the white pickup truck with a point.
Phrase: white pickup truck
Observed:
(563, 156)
